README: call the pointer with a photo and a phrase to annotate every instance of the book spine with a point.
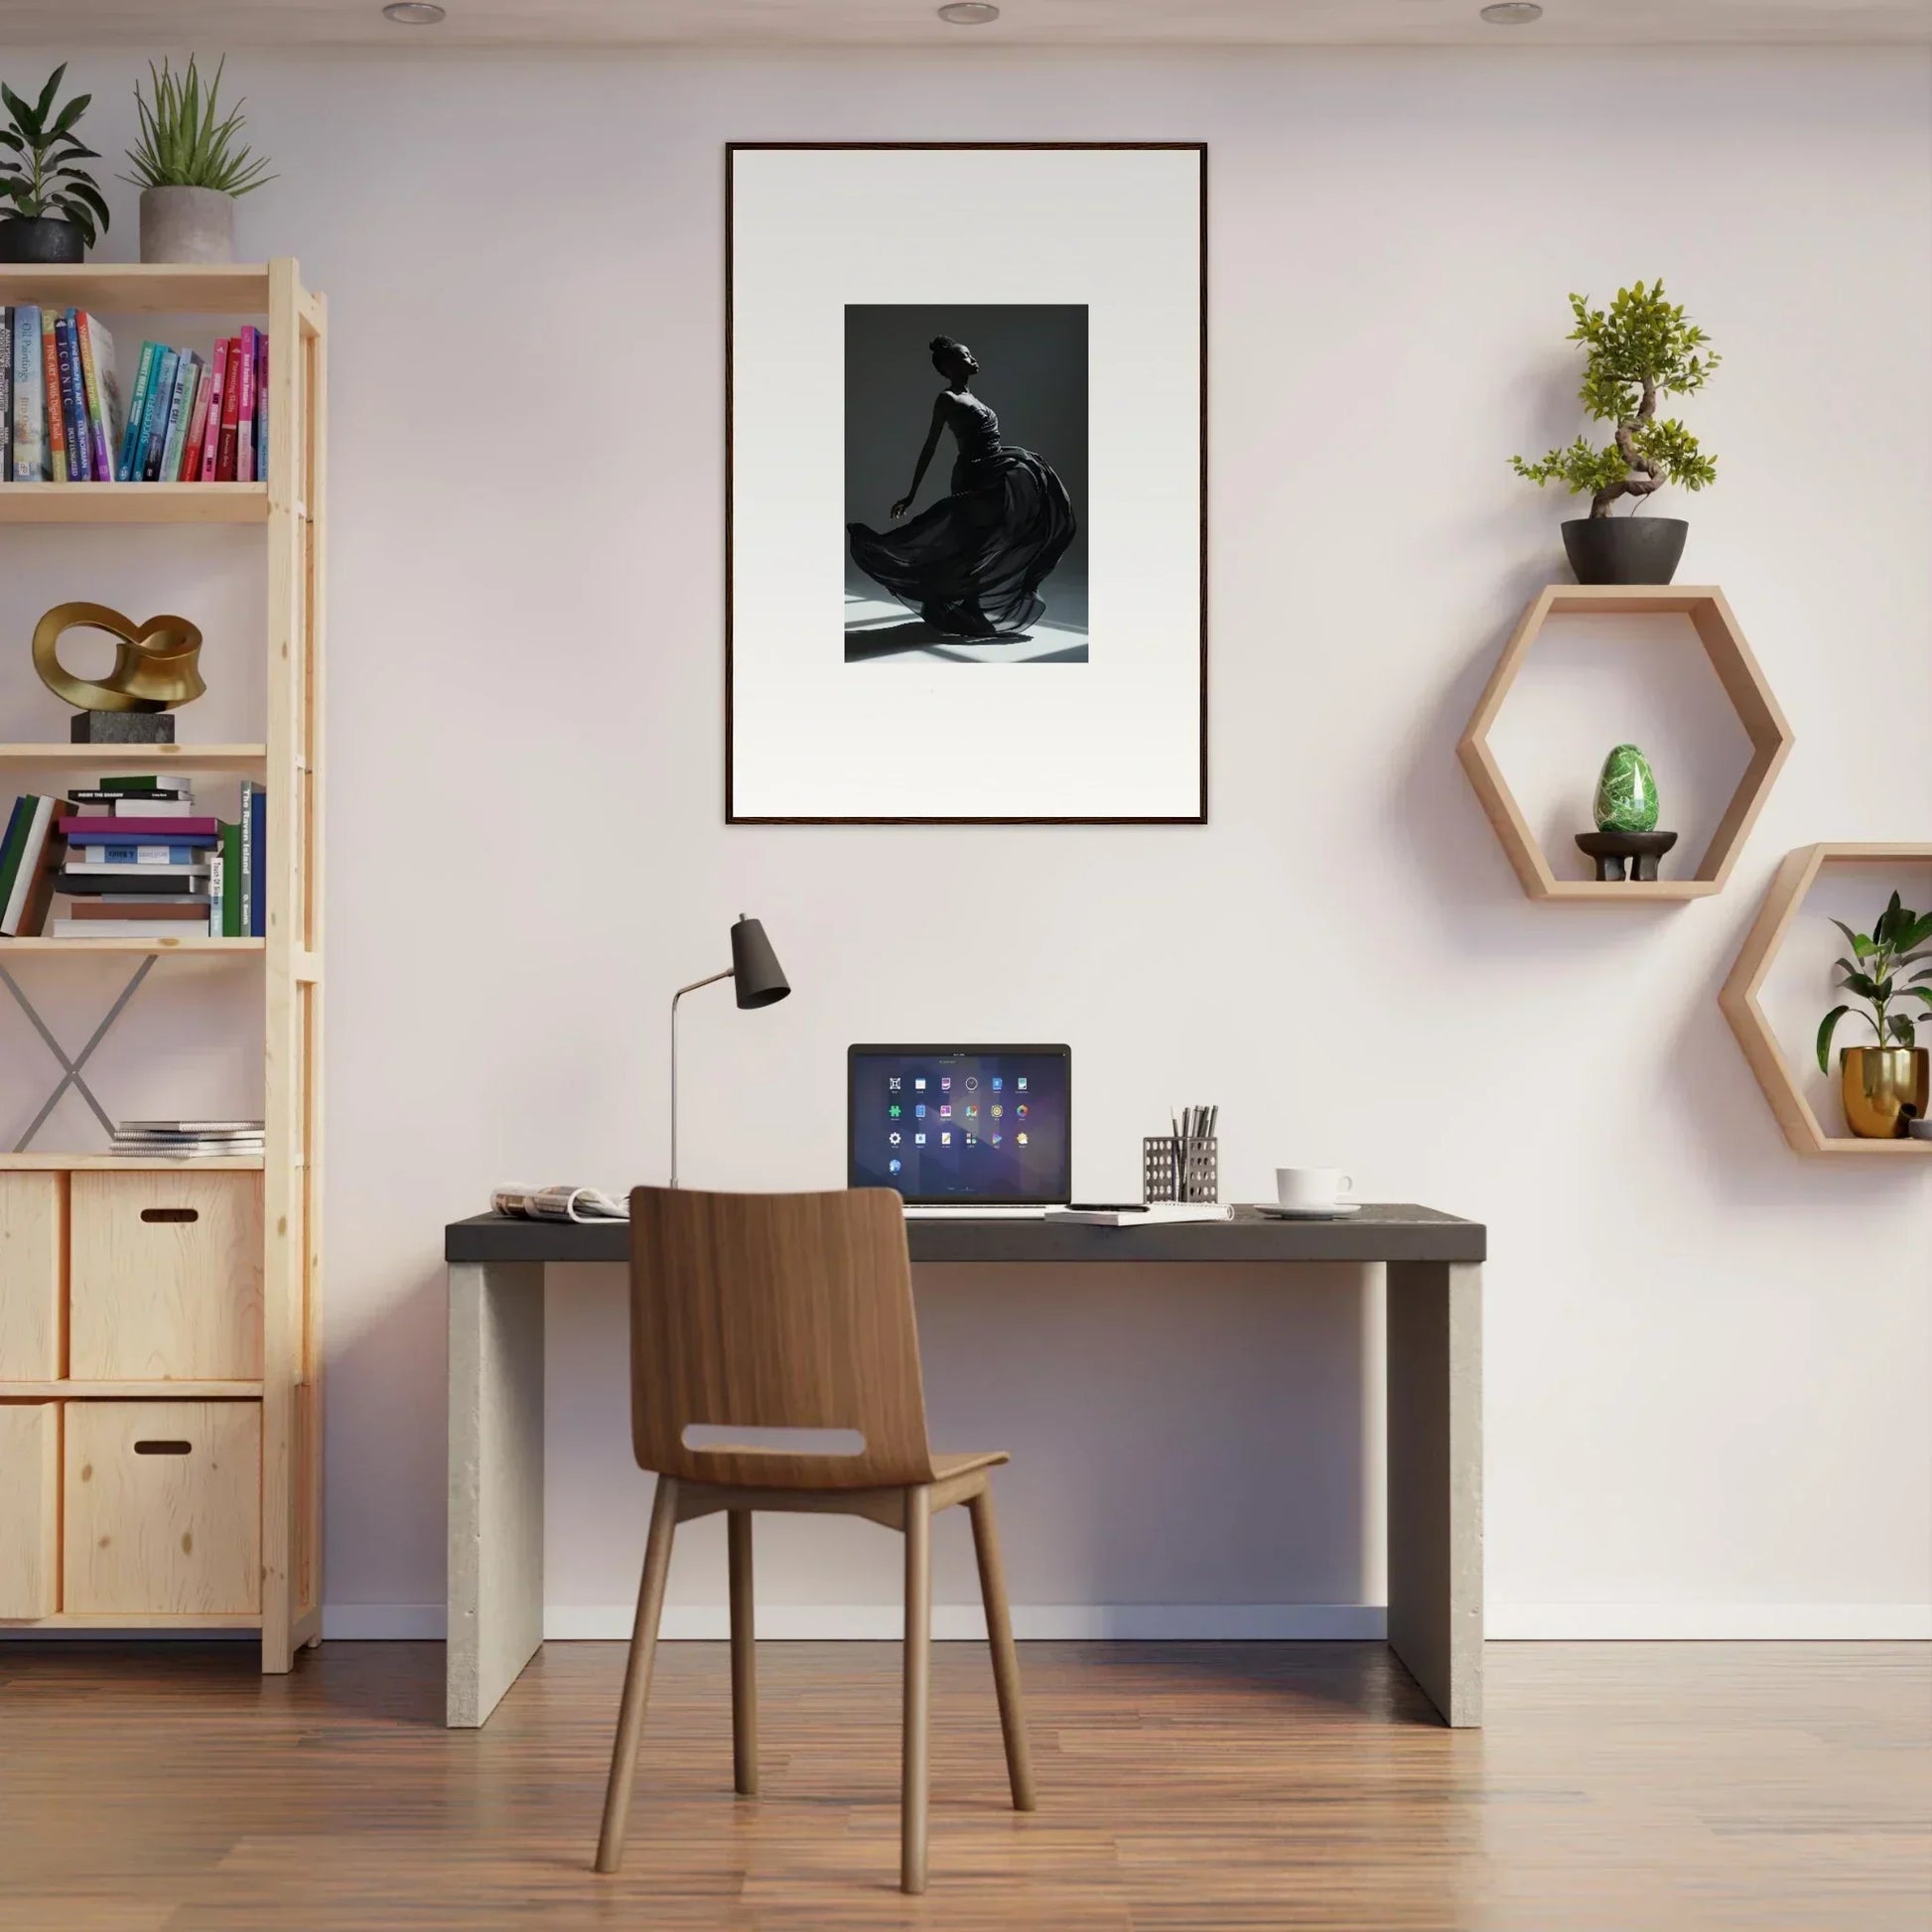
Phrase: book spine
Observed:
(218, 390)
(246, 858)
(261, 407)
(87, 355)
(98, 373)
(233, 876)
(19, 903)
(17, 823)
(43, 856)
(137, 404)
(230, 405)
(245, 456)
(258, 865)
(131, 854)
(6, 394)
(56, 420)
(178, 409)
(190, 467)
(217, 886)
(73, 407)
(185, 825)
(30, 423)
(160, 396)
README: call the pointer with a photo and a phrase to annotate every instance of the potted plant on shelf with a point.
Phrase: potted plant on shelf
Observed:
(1638, 352)
(1884, 1086)
(57, 212)
(189, 168)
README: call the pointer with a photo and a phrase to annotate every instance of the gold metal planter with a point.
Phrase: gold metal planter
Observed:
(1884, 1088)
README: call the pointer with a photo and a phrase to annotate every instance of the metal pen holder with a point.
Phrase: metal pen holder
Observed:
(1179, 1170)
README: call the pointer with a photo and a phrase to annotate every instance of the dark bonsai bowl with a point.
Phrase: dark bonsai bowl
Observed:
(1624, 549)
(40, 238)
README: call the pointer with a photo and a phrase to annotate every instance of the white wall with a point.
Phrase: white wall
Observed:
(1707, 1359)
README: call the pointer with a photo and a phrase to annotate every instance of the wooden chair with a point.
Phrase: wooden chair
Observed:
(793, 1312)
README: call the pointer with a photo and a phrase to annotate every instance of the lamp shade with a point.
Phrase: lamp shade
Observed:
(756, 977)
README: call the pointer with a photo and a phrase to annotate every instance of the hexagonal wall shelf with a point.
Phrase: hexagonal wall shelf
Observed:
(1795, 878)
(1743, 684)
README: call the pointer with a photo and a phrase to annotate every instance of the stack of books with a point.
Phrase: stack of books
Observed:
(137, 862)
(189, 418)
(187, 1139)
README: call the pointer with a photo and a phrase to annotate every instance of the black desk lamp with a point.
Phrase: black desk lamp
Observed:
(760, 981)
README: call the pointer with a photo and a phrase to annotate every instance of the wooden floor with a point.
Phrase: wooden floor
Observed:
(1629, 1787)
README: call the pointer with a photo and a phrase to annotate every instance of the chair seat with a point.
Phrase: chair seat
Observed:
(946, 1466)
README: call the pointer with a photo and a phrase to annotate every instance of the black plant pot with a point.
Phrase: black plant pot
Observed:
(1624, 549)
(40, 238)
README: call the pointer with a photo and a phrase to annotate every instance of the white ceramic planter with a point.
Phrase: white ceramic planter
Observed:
(187, 225)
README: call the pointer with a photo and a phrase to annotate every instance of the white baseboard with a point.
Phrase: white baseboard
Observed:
(1179, 1623)
(1709, 1623)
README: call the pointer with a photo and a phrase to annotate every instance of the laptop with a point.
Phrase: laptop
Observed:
(962, 1129)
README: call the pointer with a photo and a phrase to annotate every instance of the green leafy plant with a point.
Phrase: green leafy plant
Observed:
(1899, 939)
(184, 140)
(38, 152)
(1638, 350)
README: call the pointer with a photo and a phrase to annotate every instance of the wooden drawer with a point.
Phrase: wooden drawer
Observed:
(33, 1252)
(165, 1276)
(162, 1503)
(30, 1508)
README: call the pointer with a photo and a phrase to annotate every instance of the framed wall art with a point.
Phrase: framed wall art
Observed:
(967, 483)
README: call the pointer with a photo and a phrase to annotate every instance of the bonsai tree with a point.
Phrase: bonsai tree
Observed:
(38, 150)
(1877, 958)
(1639, 351)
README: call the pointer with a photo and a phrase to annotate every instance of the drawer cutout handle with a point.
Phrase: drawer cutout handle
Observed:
(161, 1446)
(171, 1214)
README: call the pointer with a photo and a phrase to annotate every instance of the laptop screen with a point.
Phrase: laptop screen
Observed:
(961, 1124)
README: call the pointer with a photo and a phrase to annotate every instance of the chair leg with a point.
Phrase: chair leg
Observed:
(919, 1686)
(1006, 1662)
(636, 1676)
(744, 1670)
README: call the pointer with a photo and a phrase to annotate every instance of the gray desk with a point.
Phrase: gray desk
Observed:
(1435, 1408)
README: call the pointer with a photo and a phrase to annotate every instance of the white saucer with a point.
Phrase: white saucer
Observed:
(1268, 1210)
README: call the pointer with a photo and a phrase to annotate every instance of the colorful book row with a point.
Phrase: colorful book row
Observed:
(187, 420)
(134, 875)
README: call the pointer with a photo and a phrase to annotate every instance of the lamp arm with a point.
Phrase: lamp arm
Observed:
(711, 980)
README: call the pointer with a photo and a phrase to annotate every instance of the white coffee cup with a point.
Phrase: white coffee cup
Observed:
(1311, 1187)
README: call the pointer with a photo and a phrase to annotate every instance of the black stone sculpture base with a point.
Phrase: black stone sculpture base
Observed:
(122, 727)
(1613, 850)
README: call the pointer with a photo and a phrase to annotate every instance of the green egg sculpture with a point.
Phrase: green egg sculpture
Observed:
(1626, 793)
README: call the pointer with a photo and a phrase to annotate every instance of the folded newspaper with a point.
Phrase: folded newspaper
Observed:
(558, 1204)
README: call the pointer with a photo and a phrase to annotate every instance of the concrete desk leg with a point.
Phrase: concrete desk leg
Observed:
(1435, 1341)
(495, 1583)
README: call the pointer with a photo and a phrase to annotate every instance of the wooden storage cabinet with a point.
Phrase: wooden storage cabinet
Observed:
(30, 1520)
(161, 1508)
(165, 1277)
(33, 1265)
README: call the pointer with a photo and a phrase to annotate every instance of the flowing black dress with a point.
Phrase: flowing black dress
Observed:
(972, 565)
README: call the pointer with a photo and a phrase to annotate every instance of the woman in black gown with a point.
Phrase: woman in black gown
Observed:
(972, 565)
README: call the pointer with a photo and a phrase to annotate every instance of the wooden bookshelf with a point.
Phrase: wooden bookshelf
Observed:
(249, 759)
(72, 1210)
(133, 502)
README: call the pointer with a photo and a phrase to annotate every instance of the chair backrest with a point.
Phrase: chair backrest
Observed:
(762, 1311)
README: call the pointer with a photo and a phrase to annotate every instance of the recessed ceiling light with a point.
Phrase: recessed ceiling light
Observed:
(969, 13)
(1512, 13)
(413, 13)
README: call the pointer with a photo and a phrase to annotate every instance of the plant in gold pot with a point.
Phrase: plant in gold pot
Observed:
(1885, 1086)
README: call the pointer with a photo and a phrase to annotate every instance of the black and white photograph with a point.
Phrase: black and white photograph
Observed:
(965, 483)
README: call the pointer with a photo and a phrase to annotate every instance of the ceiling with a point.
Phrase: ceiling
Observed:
(911, 23)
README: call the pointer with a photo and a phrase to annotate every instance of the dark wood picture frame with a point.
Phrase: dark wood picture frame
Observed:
(731, 150)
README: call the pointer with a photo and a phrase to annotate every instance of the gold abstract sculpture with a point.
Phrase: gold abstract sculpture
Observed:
(154, 662)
